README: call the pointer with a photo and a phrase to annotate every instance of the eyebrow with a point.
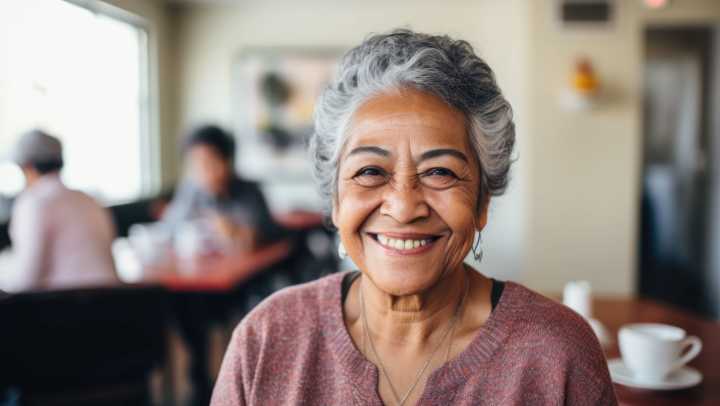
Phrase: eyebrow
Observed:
(370, 150)
(434, 153)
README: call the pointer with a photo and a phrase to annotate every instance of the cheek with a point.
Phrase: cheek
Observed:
(354, 206)
(457, 209)
(213, 178)
(353, 209)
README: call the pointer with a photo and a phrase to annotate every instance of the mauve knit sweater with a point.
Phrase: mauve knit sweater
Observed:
(294, 349)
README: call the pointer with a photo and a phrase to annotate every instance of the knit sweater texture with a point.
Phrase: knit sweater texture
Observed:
(294, 349)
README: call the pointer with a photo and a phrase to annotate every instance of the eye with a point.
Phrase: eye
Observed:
(370, 176)
(438, 178)
(440, 172)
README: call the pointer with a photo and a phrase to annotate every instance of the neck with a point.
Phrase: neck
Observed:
(412, 319)
(32, 177)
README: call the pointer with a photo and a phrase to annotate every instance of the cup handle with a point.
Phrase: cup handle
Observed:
(694, 345)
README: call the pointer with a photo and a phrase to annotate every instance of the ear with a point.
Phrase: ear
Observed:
(334, 213)
(29, 171)
(482, 214)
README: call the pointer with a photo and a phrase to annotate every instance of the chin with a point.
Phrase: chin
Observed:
(402, 281)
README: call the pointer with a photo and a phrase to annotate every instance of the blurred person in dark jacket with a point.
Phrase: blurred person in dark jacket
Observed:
(224, 211)
(233, 208)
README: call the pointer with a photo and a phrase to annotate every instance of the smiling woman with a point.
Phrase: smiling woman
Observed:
(408, 174)
(412, 139)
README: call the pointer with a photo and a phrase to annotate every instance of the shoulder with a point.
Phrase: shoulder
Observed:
(25, 201)
(185, 191)
(32, 202)
(562, 344)
(242, 185)
(52, 193)
(547, 350)
(284, 326)
(241, 180)
(539, 312)
(84, 198)
(563, 334)
(83, 208)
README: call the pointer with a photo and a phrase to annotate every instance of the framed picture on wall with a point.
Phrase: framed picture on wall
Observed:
(274, 92)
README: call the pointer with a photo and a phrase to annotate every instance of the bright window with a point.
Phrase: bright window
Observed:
(82, 76)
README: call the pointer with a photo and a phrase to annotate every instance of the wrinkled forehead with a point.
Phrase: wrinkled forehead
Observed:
(408, 117)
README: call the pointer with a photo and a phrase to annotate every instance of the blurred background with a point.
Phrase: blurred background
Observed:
(616, 106)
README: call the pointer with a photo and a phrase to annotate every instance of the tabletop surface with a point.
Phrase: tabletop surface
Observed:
(217, 274)
(614, 313)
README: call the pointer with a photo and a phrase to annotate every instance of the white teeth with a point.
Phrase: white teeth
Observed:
(399, 244)
(382, 239)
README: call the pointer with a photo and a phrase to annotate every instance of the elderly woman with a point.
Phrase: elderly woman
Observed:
(412, 139)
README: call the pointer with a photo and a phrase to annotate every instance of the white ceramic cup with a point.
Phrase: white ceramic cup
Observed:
(652, 350)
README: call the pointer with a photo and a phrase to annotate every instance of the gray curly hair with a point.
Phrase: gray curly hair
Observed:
(439, 65)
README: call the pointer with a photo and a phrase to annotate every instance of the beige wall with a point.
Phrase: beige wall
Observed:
(212, 35)
(585, 172)
(572, 211)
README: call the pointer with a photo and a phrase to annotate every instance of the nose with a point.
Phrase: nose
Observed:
(404, 201)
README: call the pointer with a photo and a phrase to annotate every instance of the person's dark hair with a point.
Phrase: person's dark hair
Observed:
(47, 166)
(214, 137)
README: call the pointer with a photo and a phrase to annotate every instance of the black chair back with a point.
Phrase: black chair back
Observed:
(83, 346)
(4, 235)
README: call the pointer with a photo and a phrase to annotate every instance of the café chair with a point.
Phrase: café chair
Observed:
(311, 257)
(82, 346)
(141, 211)
(4, 234)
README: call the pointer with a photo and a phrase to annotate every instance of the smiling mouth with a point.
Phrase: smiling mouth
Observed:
(417, 244)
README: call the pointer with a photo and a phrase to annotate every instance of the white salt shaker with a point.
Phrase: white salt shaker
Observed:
(578, 296)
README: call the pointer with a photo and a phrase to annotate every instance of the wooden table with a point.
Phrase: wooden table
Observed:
(616, 312)
(202, 295)
(217, 274)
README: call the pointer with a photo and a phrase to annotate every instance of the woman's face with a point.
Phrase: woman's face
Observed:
(208, 169)
(406, 205)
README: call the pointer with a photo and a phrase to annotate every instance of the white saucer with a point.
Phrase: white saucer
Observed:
(684, 377)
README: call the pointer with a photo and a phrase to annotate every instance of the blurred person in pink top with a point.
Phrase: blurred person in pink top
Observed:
(61, 238)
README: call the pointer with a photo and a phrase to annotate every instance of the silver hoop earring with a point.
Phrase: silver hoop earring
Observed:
(477, 248)
(341, 251)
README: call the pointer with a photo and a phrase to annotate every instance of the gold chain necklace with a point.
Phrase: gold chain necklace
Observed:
(418, 376)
